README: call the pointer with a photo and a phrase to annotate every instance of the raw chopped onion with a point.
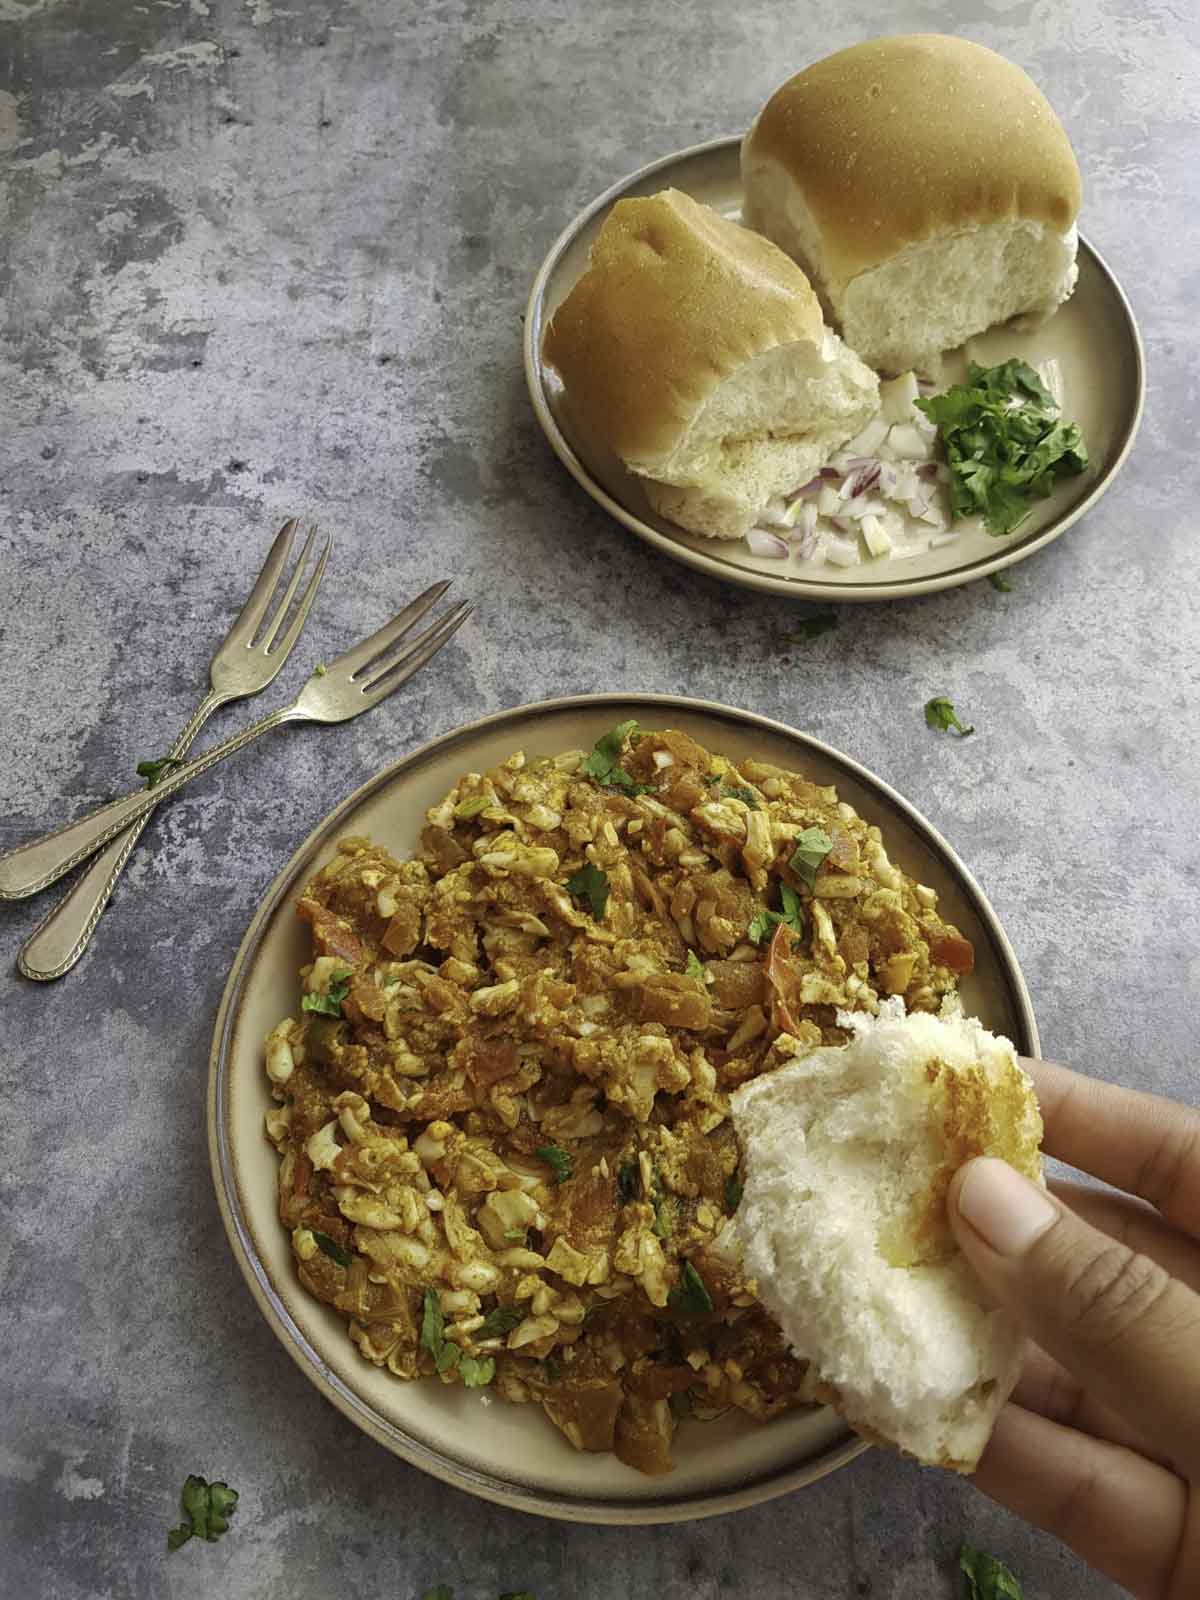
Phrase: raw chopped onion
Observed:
(842, 552)
(769, 545)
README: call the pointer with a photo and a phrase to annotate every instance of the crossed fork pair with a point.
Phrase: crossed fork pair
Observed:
(249, 659)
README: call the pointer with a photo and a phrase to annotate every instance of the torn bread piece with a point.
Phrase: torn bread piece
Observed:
(848, 1153)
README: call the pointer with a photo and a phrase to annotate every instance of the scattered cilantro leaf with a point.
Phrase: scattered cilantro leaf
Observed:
(466, 809)
(812, 628)
(558, 1159)
(590, 884)
(498, 1322)
(329, 1004)
(733, 1191)
(207, 1508)
(999, 580)
(987, 1578)
(320, 670)
(433, 1334)
(332, 1248)
(628, 1181)
(710, 778)
(740, 792)
(792, 913)
(155, 771)
(1005, 443)
(812, 846)
(476, 1372)
(604, 762)
(940, 713)
(695, 967)
(661, 1226)
(690, 1296)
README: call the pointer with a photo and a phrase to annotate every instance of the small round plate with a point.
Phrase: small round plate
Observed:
(1093, 337)
(506, 1453)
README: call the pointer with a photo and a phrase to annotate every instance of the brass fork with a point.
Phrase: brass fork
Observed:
(244, 665)
(349, 686)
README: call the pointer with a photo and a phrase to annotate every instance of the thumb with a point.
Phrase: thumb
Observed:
(1115, 1319)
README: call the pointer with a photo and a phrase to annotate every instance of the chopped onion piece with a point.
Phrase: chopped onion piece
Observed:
(937, 540)
(1051, 375)
(896, 399)
(907, 442)
(875, 535)
(767, 544)
(829, 501)
(842, 552)
(868, 441)
(811, 487)
(806, 522)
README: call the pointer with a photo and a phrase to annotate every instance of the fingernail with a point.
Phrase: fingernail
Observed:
(1004, 1208)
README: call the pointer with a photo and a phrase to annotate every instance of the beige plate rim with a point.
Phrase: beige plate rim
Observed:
(793, 588)
(486, 1485)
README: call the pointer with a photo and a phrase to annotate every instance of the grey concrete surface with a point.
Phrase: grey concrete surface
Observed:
(260, 259)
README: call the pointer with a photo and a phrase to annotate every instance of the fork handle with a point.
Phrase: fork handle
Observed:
(34, 866)
(57, 943)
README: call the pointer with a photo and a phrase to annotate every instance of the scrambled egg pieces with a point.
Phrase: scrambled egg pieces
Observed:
(502, 1109)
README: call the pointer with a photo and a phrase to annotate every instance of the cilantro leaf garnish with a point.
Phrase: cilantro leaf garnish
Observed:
(433, 1334)
(812, 846)
(987, 1578)
(604, 762)
(590, 884)
(812, 628)
(440, 1591)
(499, 1322)
(1005, 443)
(155, 771)
(733, 1191)
(741, 793)
(558, 1159)
(999, 580)
(792, 913)
(695, 967)
(690, 1295)
(332, 1248)
(329, 1004)
(940, 713)
(629, 1179)
(476, 1372)
(207, 1508)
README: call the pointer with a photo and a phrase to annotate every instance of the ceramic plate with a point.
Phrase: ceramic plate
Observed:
(511, 1454)
(1093, 337)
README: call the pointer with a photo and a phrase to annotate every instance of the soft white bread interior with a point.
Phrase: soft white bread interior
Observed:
(696, 352)
(925, 185)
(847, 1156)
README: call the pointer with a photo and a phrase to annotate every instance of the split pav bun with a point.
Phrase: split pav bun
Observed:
(925, 186)
(695, 351)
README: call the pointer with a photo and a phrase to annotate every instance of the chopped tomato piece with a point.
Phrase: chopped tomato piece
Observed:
(331, 935)
(952, 950)
(783, 976)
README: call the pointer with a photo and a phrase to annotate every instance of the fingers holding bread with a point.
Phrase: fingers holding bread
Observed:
(1117, 1319)
(1140, 1143)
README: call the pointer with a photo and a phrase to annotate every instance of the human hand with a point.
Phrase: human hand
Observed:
(1100, 1444)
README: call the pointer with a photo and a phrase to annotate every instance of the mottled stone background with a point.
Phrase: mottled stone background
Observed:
(259, 259)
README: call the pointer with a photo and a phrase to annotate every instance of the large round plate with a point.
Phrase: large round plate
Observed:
(511, 1454)
(1093, 337)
